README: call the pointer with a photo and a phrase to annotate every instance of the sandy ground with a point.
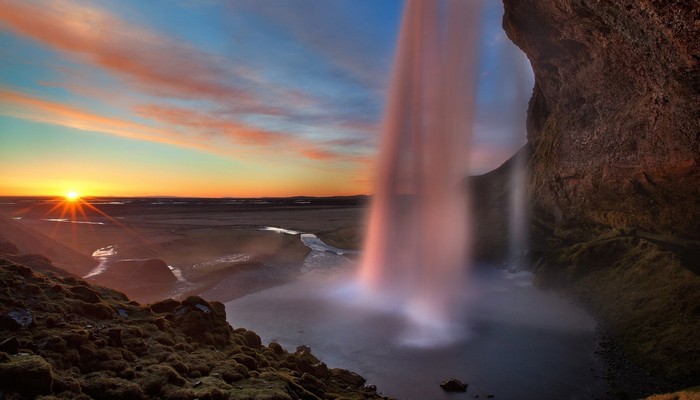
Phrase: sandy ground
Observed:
(219, 251)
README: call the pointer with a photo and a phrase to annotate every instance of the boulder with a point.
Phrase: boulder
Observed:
(454, 385)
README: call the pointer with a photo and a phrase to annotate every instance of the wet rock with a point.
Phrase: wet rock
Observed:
(28, 375)
(454, 385)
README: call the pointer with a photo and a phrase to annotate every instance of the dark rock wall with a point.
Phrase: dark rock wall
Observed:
(614, 120)
(614, 174)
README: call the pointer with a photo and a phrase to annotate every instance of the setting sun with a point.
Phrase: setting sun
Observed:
(72, 196)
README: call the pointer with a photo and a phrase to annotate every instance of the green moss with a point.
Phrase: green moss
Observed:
(188, 353)
(102, 387)
(642, 292)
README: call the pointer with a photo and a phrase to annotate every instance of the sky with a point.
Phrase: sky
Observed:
(230, 98)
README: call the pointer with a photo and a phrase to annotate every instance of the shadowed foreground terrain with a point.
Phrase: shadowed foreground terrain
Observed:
(61, 337)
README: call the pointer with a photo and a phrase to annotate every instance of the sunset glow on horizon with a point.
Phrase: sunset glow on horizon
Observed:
(214, 99)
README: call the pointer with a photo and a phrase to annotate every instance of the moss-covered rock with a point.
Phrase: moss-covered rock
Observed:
(28, 375)
(84, 348)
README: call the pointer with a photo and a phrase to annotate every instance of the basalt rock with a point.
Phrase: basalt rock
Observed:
(614, 175)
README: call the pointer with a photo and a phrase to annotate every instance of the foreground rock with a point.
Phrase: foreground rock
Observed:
(614, 176)
(88, 342)
(454, 385)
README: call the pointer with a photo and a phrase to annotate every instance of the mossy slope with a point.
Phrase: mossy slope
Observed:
(61, 337)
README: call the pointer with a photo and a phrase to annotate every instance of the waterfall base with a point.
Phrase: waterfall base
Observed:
(518, 342)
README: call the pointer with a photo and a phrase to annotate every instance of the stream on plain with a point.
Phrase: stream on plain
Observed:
(518, 343)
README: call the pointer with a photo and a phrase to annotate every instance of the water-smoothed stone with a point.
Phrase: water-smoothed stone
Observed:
(454, 385)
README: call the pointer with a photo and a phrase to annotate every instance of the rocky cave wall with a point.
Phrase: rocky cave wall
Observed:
(614, 169)
(614, 120)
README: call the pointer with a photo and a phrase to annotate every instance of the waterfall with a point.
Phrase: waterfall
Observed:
(417, 245)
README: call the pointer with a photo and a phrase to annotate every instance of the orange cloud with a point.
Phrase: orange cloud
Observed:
(159, 64)
(20, 105)
(206, 123)
(239, 133)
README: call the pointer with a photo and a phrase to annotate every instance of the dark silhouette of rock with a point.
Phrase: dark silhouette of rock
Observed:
(454, 385)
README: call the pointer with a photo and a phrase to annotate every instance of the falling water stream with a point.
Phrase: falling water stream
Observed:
(416, 252)
(409, 315)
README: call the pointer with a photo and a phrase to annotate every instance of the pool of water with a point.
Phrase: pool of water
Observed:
(516, 341)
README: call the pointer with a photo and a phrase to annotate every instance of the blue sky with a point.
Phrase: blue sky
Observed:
(218, 98)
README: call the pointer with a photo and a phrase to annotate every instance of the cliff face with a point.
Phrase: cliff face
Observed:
(614, 119)
(614, 176)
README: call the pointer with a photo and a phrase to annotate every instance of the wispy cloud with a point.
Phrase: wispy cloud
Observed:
(199, 124)
(236, 132)
(19, 105)
(157, 63)
(340, 32)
